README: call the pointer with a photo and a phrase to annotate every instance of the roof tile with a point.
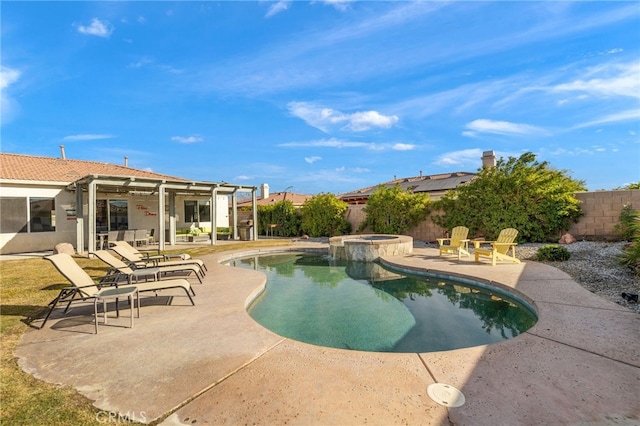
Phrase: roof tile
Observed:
(50, 169)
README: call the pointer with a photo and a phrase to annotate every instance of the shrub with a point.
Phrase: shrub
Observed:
(624, 228)
(283, 214)
(394, 211)
(553, 253)
(520, 193)
(323, 216)
(631, 255)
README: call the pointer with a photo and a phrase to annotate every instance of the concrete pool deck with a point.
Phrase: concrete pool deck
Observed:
(212, 364)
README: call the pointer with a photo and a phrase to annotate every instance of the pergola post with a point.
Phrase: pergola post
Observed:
(91, 201)
(161, 217)
(172, 218)
(214, 214)
(79, 219)
(234, 213)
(254, 206)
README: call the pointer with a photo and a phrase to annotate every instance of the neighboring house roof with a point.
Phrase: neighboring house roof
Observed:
(20, 167)
(274, 197)
(434, 185)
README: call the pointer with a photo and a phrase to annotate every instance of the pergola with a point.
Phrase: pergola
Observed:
(165, 190)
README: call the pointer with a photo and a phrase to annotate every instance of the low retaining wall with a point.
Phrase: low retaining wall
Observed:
(369, 247)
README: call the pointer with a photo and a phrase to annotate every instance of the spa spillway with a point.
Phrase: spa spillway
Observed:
(369, 247)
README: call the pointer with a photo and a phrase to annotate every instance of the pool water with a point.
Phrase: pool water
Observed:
(363, 306)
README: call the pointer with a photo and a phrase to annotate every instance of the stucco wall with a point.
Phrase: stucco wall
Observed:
(601, 214)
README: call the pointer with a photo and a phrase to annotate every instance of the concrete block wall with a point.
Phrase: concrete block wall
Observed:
(601, 214)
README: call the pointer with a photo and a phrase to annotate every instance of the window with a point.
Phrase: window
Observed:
(191, 211)
(42, 214)
(102, 216)
(118, 215)
(27, 214)
(13, 216)
(197, 211)
(204, 208)
(112, 215)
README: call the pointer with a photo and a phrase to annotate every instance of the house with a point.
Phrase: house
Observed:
(39, 199)
(434, 185)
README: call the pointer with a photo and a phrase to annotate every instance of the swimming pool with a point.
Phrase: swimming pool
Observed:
(363, 306)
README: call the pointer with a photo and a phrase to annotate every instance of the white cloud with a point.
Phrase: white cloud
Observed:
(403, 147)
(341, 5)
(632, 114)
(86, 137)
(277, 7)
(8, 76)
(242, 177)
(187, 139)
(312, 159)
(97, 28)
(607, 79)
(326, 143)
(361, 121)
(460, 158)
(500, 128)
(8, 106)
(326, 119)
(340, 144)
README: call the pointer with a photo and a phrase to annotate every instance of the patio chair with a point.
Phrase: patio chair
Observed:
(130, 236)
(133, 256)
(133, 272)
(83, 287)
(499, 249)
(456, 244)
(141, 237)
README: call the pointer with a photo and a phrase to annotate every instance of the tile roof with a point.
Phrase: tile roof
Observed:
(50, 169)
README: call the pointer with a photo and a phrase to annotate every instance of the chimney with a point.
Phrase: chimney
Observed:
(264, 191)
(126, 161)
(488, 159)
(64, 156)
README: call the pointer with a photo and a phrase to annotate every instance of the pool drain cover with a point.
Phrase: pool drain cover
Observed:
(445, 395)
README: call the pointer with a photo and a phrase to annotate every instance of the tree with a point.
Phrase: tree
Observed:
(633, 185)
(394, 211)
(281, 214)
(323, 216)
(520, 193)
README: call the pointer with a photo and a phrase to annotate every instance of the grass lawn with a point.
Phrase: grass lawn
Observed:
(27, 286)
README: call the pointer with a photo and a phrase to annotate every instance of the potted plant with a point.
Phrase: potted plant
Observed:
(223, 233)
(193, 232)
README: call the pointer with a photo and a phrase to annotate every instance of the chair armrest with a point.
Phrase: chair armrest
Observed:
(504, 244)
(173, 256)
(441, 241)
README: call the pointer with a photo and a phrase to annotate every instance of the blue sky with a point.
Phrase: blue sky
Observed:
(324, 96)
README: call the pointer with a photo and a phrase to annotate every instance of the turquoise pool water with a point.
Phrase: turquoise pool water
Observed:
(363, 306)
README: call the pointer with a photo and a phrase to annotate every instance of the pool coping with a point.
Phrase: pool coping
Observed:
(212, 363)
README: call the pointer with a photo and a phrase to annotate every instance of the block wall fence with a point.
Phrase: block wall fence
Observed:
(601, 214)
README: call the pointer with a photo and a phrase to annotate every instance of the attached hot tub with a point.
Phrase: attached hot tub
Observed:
(369, 247)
